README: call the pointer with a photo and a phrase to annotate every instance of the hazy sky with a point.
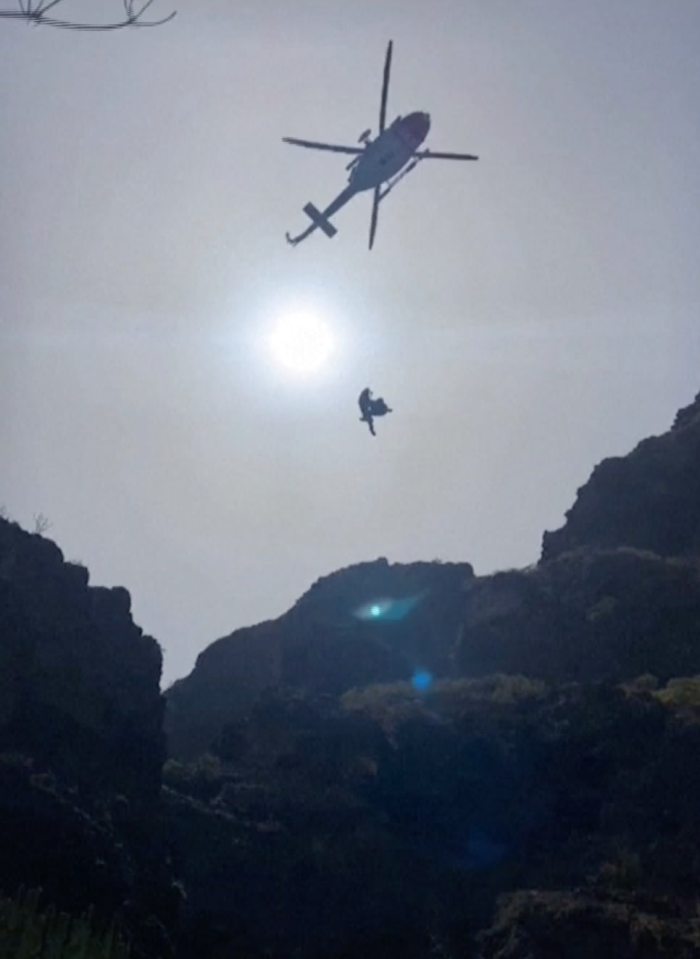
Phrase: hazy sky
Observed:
(525, 315)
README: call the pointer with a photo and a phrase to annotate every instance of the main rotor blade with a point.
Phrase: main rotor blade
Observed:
(433, 155)
(323, 146)
(375, 211)
(385, 87)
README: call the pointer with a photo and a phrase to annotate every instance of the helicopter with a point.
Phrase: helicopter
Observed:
(378, 164)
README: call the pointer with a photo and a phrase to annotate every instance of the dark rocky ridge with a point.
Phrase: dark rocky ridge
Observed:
(81, 744)
(328, 642)
(649, 499)
(589, 615)
(387, 823)
(581, 924)
(79, 682)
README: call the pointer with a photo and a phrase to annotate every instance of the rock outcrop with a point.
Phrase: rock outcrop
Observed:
(79, 682)
(387, 823)
(649, 499)
(591, 615)
(595, 615)
(368, 623)
(579, 925)
(81, 746)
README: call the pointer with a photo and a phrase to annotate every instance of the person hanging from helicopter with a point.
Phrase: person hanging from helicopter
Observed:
(371, 408)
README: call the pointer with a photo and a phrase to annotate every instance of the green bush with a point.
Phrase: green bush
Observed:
(390, 704)
(28, 933)
(682, 693)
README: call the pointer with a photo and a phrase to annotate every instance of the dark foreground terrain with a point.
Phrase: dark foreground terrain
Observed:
(412, 762)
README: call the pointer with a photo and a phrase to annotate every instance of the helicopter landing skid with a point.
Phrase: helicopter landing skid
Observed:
(395, 182)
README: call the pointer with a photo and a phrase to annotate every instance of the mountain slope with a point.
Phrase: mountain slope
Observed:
(79, 682)
(649, 499)
(367, 623)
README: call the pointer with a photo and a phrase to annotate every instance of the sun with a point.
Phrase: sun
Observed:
(301, 342)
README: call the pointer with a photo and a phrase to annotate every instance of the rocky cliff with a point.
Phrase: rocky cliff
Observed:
(81, 744)
(367, 623)
(79, 682)
(390, 822)
(593, 614)
(649, 499)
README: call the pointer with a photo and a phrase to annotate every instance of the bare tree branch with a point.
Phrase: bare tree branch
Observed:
(41, 523)
(35, 11)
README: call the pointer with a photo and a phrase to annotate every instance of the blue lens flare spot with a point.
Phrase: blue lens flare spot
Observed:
(388, 608)
(422, 680)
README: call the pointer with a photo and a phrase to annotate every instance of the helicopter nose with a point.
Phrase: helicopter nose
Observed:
(419, 124)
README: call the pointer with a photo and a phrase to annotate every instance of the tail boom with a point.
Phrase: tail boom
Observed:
(321, 220)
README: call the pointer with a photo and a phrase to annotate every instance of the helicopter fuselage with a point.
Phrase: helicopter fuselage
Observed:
(390, 152)
(378, 165)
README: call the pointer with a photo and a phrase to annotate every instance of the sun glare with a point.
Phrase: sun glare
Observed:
(301, 342)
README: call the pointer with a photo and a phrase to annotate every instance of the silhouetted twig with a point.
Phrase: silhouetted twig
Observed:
(41, 523)
(35, 11)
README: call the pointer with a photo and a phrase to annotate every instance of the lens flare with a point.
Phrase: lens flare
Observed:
(422, 680)
(388, 609)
